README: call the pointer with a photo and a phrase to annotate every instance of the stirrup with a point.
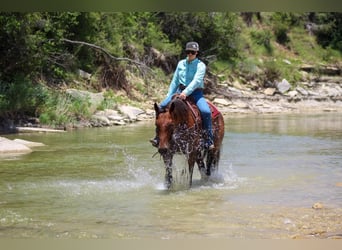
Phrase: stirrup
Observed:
(209, 145)
(154, 142)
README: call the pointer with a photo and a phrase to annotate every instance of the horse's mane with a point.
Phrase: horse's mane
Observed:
(178, 110)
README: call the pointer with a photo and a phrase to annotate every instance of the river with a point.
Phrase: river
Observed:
(104, 183)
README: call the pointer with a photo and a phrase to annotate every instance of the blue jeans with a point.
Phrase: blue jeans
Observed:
(203, 107)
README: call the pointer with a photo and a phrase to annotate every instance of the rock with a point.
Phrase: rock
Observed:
(330, 70)
(269, 91)
(119, 123)
(287, 61)
(221, 101)
(111, 112)
(317, 205)
(307, 67)
(84, 75)
(235, 92)
(150, 112)
(115, 117)
(29, 144)
(330, 91)
(100, 120)
(292, 93)
(94, 99)
(143, 117)
(302, 91)
(241, 105)
(283, 86)
(237, 85)
(330, 79)
(312, 93)
(11, 147)
(130, 112)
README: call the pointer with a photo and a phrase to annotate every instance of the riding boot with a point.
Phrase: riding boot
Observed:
(209, 144)
(155, 142)
(208, 140)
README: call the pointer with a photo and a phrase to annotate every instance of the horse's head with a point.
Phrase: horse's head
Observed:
(164, 128)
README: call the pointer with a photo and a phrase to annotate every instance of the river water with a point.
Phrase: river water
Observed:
(104, 183)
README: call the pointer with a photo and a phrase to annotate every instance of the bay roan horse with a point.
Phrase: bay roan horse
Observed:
(179, 128)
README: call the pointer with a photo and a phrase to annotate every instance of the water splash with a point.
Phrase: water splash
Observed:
(224, 178)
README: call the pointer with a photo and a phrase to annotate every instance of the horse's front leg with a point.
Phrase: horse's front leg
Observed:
(168, 170)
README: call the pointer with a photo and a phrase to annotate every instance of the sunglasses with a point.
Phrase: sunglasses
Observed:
(190, 52)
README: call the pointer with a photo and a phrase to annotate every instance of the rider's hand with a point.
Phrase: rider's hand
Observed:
(182, 96)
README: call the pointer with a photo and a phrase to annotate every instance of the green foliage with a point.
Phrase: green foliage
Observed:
(263, 38)
(289, 19)
(109, 100)
(60, 108)
(215, 32)
(249, 68)
(280, 32)
(271, 74)
(221, 67)
(35, 48)
(21, 97)
(327, 27)
(282, 22)
(227, 29)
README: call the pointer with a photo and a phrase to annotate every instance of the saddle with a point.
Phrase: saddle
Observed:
(214, 111)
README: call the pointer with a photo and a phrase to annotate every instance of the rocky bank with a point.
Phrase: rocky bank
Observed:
(316, 94)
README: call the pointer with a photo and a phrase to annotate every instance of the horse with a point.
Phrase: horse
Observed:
(179, 129)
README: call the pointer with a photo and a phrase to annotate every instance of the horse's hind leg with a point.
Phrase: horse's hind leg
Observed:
(191, 163)
(209, 162)
(213, 158)
(201, 165)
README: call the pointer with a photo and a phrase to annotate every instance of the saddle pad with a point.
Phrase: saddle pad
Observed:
(214, 111)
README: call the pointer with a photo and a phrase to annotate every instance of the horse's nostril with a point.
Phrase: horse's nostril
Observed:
(162, 150)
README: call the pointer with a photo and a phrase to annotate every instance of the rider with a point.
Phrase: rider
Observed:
(188, 80)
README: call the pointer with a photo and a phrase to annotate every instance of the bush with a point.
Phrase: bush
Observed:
(263, 38)
(280, 32)
(21, 97)
(271, 74)
(61, 108)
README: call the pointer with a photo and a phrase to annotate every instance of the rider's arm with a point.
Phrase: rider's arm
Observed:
(175, 81)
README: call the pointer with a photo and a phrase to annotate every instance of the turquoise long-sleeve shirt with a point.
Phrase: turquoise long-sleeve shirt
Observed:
(190, 74)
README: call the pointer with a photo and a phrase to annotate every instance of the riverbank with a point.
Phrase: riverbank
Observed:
(314, 95)
(242, 105)
(320, 94)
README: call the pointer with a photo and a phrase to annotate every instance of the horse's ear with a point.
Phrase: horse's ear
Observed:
(157, 109)
(172, 107)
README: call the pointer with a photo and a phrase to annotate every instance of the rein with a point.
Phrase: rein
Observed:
(194, 114)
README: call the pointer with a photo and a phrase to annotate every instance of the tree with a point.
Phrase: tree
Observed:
(216, 32)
